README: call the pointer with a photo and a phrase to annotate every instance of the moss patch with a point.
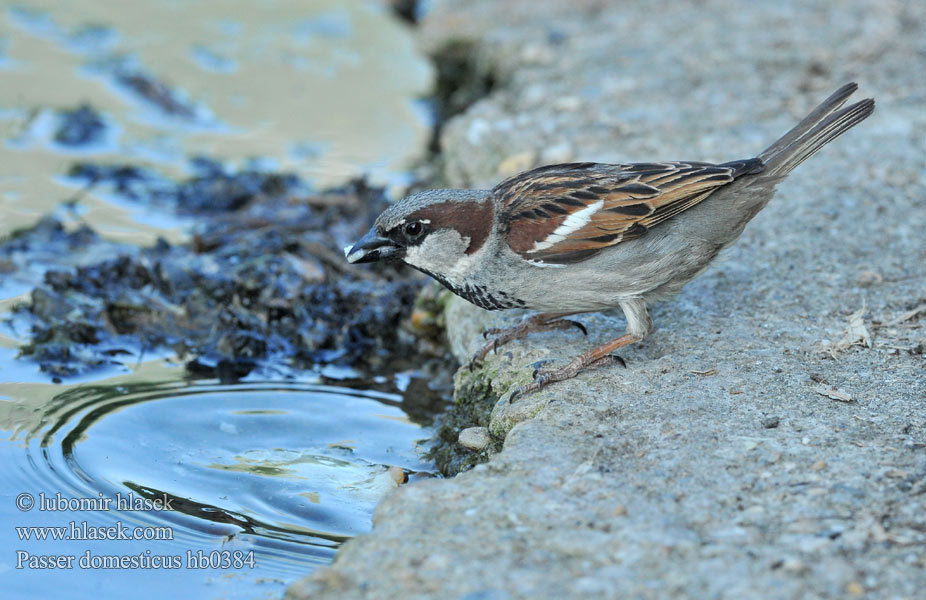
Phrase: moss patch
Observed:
(476, 393)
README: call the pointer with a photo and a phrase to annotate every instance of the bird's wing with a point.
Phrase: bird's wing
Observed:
(569, 212)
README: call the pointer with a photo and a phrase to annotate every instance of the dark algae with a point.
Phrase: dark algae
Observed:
(80, 126)
(262, 284)
(211, 189)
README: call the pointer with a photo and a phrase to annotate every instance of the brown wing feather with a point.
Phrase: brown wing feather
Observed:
(569, 212)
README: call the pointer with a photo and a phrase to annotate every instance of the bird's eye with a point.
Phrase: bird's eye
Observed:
(413, 229)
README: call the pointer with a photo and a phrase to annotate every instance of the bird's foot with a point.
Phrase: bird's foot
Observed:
(541, 322)
(596, 357)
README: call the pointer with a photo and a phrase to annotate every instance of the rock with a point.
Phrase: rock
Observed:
(684, 457)
(868, 278)
(474, 438)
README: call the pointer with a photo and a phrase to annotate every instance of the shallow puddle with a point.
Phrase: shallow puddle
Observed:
(228, 491)
(325, 89)
(253, 484)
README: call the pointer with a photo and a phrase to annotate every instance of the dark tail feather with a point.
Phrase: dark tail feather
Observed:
(824, 124)
(826, 108)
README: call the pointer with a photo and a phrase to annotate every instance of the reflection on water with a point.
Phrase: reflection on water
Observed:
(323, 88)
(280, 473)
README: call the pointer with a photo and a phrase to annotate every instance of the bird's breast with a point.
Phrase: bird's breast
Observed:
(481, 295)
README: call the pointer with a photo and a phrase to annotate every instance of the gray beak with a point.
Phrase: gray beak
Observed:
(371, 247)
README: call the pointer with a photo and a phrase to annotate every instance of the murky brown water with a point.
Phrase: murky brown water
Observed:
(325, 89)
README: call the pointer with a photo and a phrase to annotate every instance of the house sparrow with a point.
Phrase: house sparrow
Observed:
(582, 237)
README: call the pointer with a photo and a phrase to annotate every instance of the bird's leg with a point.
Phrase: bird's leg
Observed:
(639, 325)
(539, 322)
(597, 356)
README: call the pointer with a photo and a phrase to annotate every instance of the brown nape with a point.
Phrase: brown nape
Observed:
(472, 219)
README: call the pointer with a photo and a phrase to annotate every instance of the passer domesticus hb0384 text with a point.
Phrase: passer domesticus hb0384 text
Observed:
(581, 237)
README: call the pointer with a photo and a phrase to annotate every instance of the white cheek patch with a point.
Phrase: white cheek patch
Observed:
(573, 223)
(413, 256)
(442, 252)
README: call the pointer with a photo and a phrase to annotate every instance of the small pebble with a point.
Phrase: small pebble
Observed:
(398, 475)
(869, 278)
(793, 565)
(474, 438)
(770, 422)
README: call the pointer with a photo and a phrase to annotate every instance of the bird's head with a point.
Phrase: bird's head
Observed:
(432, 231)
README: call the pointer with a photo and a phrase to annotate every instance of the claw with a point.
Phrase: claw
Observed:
(609, 359)
(538, 375)
(523, 390)
(539, 381)
(537, 365)
(596, 357)
(578, 325)
(540, 322)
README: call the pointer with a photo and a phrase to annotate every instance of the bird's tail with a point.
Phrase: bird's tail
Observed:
(824, 124)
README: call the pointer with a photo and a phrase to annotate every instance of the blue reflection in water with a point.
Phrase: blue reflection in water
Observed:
(271, 474)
